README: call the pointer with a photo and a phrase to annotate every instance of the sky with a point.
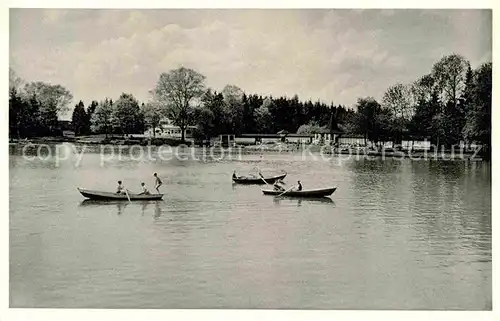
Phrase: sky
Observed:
(335, 56)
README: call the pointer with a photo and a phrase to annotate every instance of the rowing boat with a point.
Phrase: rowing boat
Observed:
(258, 179)
(320, 192)
(107, 196)
(300, 200)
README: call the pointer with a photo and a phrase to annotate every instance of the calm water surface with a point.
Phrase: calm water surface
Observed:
(397, 234)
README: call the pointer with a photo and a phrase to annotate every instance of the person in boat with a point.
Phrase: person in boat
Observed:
(144, 190)
(158, 182)
(299, 186)
(278, 187)
(120, 189)
(234, 175)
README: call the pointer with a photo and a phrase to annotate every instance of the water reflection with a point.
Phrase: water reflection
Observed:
(158, 210)
(299, 201)
(121, 205)
(143, 208)
(426, 226)
(377, 165)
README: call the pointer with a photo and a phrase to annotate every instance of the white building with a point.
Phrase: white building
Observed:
(168, 129)
(351, 140)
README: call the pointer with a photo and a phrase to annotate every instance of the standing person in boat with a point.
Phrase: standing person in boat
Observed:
(158, 182)
(299, 186)
(144, 189)
(120, 189)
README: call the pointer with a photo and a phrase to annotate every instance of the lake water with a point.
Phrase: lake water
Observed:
(397, 234)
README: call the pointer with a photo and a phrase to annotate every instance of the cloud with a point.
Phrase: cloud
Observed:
(332, 55)
(53, 16)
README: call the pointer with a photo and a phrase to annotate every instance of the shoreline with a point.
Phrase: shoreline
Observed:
(100, 140)
(291, 149)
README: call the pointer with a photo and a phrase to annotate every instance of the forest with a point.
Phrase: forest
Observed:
(449, 104)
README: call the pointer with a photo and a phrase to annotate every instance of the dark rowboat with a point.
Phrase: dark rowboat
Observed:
(107, 196)
(258, 179)
(320, 192)
(299, 200)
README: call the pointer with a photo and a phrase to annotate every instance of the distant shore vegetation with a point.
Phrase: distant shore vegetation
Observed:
(450, 104)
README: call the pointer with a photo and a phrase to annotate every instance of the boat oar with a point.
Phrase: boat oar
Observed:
(288, 190)
(262, 177)
(126, 192)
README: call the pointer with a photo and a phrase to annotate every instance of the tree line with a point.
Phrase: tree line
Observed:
(230, 111)
(34, 107)
(182, 95)
(451, 103)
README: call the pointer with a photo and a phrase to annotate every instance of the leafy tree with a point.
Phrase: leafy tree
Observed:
(48, 118)
(27, 114)
(233, 108)
(311, 129)
(176, 91)
(15, 82)
(308, 112)
(333, 124)
(383, 125)
(263, 116)
(214, 102)
(248, 120)
(398, 99)
(425, 111)
(79, 120)
(152, 115)
(101, 121)
(450, 76)
(297, 109)
(53, 97)
(466, 102)
(91, 108)
(281, 115)
(423, 88)
(478, 124)
(365, 121)
(204, 120)
(53, 100)
(16, 108)
(438, 126)
(468, 93)
(126, 115)
(90, 111)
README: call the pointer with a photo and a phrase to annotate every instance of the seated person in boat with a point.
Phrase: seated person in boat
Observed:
(234, 175)
(120, 189)
(144, 190)
(278, 187)
(299, 186)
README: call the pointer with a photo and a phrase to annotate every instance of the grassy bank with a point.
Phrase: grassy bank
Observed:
(102, 140)
(358, 152)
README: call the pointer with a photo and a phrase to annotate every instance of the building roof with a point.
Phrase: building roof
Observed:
(176, 127)
(352, 136)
